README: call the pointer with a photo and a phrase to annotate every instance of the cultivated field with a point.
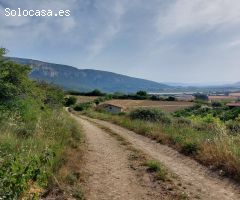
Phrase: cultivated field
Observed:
(84, 99)
(223, 98)
(167, 106)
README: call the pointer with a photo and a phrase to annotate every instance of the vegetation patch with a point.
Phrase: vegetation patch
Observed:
(207, 138)
(69, 101)
(158, 168)
(150, 114)
(82, 106)
(35, 130)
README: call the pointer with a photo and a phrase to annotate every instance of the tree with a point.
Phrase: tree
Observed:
(70, 101)
(95, 92)
(216, 104)
(14, 80)
(171, 98)
(202, 97)
(141, 93)
(3, 52)
(53, 95)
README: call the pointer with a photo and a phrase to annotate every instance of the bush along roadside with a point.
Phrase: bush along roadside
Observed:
(34, 132)
(90, 104)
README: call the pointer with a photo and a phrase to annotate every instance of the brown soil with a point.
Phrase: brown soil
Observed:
(167, 106)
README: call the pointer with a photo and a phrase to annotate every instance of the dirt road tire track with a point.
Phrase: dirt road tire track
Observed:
(107, 166)
(198, 179)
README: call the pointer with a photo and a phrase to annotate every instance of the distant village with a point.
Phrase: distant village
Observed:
(231, 99)
(168, 102)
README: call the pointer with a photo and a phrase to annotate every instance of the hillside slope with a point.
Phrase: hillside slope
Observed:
(87, 79)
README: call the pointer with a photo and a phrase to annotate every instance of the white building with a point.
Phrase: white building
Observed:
(114, 109)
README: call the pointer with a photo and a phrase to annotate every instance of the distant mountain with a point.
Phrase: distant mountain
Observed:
(71, 78)
(238, 83)
(234, 85)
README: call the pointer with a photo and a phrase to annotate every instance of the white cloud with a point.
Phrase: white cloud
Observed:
(101, 41)
(202, 15)
(153, 37)
(35, 29)
(233, 44)
(112, 13)
(12, 21)
(93, 24)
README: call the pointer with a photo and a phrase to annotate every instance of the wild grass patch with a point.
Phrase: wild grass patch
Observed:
(158, 168)
(212, 146)
(35, 158)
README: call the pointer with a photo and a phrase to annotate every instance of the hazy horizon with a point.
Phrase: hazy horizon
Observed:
(177, 41)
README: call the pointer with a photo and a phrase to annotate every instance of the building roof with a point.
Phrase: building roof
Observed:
(235, 94)
(233, 104)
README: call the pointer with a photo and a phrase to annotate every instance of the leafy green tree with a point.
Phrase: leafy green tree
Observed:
(171, 98)
(201, 97)
(141, 93)
(14, 80)
(95, 92)
(53, 95)
(70, 101)
(17, 88)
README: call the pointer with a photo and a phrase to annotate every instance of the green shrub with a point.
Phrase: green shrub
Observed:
(217, 110)
(150, 114)
(183, 121)
(141, 93)
(201, 97)
(217, 104)
(95, 92)
(71, 178)
(70, 101)
(155, 98)
(16, 170)
(189, 148)
(82, 106)
(78, 193)
(33, 158)
(170, 99)
(13, 80)
(155, 166)
(122, 114)
(34, 131)
(233, 126)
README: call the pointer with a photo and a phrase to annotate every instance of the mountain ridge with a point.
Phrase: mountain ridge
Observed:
(72, 78)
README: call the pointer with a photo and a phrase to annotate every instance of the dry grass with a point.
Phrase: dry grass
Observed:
(222, 153)
(218, 150)
(70, 176)
(167, 106)
(85, 99)
(219, 98)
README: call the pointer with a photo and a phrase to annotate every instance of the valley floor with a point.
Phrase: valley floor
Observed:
(110, 175)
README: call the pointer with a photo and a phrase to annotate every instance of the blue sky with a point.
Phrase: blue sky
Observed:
(190, 41)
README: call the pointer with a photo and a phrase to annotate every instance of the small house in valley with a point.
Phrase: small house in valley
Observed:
(111, 108)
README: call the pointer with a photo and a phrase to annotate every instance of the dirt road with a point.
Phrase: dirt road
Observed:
(196, 178)
(110, 176)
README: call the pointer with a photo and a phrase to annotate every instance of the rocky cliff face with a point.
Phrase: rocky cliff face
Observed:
(86, 79)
